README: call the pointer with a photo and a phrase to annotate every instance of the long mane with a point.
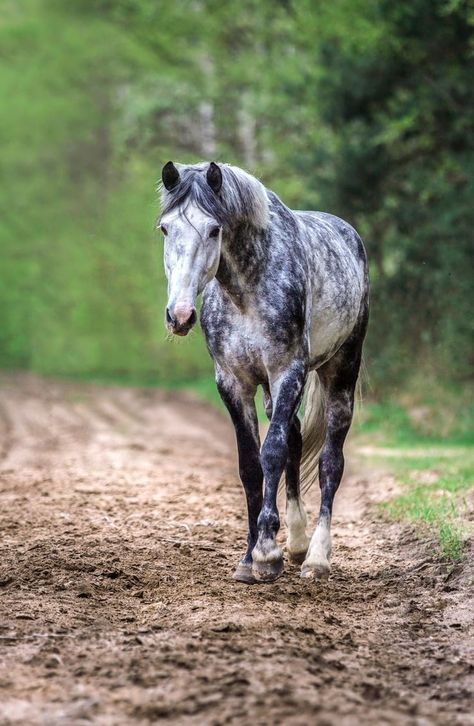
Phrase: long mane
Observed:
(241, 199)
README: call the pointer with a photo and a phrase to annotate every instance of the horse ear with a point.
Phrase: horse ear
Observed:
(214, 177)
(170, 176)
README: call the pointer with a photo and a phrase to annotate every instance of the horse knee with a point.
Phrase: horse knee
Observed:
(273, 457)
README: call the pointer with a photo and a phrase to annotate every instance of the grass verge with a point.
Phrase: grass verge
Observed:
(432, 461)
(436, 497)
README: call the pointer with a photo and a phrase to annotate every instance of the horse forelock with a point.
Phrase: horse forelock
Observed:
(242, 198)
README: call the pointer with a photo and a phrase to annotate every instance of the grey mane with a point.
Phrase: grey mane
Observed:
(242, 198)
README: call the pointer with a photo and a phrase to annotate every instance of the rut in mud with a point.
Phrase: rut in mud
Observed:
(122, 520)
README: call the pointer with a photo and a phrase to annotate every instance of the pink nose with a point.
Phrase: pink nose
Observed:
(182, 312)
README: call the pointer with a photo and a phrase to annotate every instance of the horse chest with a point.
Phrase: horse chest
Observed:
(245, 343)
(237, 342)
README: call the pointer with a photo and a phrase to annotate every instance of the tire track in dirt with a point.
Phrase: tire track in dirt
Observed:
(122, 520)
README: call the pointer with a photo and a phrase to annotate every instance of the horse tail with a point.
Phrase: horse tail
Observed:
(313, 431)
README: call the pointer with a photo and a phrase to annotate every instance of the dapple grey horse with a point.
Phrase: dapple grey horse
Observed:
(285, 307)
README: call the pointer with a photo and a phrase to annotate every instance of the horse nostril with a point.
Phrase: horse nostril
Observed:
(169, 318)
(180, 320)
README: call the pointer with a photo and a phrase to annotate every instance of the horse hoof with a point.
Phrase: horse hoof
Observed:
(243, 573)
(267, 571)
(297, 557)
(316, 572)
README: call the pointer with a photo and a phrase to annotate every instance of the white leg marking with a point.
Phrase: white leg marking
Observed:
(266, 551)
(297, 540)
(317, 560)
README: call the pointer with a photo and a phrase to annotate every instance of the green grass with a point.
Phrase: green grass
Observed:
(450, 423)
(425, 439)
(438, 507)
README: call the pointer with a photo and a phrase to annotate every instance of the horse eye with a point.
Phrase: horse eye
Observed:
(214, 232)
(164, 229)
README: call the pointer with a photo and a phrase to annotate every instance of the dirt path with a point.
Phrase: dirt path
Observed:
(122, 520)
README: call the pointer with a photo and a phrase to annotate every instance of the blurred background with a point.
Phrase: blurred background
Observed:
(363, 108)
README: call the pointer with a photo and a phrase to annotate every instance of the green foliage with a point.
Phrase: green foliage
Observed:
(82, 283)
(363, 109)
(402, 170)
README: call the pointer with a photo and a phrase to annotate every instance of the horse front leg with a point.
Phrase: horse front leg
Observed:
(240, 403)
(297, 540)
(286, 392)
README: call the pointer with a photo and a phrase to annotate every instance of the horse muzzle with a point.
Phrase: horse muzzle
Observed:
(181, 319)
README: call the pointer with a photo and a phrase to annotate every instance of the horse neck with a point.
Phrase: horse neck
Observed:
(243, 260)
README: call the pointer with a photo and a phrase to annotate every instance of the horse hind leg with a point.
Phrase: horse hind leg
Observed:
(297, 540)
(339, 378)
